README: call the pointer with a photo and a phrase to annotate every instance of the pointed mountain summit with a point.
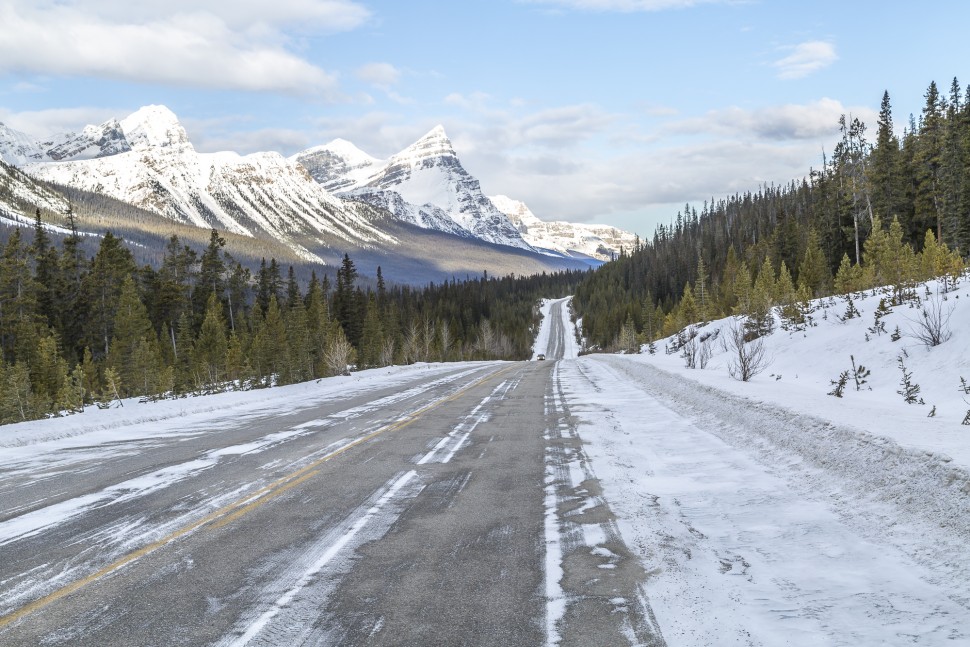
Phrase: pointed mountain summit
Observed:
(338, 165)
(154, 127)
(424, 185)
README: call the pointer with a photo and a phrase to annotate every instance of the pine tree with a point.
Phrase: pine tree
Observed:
(760, 319)
(18, 301)
(848, 278)
(627, 340)
(688, 310)
(372, 338)
(742, 290)
(133, 351)
(299, 341)
(345, 302)
(112, 265)
(292, 288)
(45, 272)
(813, 272)
(928, 163)
(209, 353)
(186, 378)
(318, 324)
(16, 397)
(49, 374)
(701, 291)
(68, 300)
(175, 279)
(211, 278)
(269, 355)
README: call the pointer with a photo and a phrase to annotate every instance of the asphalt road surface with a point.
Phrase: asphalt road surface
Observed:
(457, 510)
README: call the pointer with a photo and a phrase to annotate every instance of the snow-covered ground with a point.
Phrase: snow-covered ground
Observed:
(770, 513)
(134, 420)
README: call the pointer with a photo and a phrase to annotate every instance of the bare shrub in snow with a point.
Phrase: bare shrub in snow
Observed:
(338, 355)
(748, 358)
(932, 326)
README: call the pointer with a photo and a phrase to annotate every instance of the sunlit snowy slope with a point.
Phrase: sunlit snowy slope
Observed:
(773, 512)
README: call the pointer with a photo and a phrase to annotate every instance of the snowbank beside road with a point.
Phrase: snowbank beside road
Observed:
(764, 526)
(803, 365)
(770, 512)
(164, 418)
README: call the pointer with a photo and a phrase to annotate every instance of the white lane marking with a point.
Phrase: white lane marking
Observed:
(468, 424)
(324, 559)
(555, 596)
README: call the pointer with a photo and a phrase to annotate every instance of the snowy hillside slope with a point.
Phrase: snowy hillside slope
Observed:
(19, 195)
(602, 242)
(253, 195)
(428, 177)
(770, 513)
(18, 148)
(804, 363)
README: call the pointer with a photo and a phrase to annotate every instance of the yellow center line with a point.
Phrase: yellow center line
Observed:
(238, 508)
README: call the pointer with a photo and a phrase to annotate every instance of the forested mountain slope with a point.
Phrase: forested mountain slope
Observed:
(806, 230)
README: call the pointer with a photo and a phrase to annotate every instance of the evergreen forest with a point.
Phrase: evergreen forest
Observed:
(884, 210)
(79, 329)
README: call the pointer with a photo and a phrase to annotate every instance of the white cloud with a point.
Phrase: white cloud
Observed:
(45, 123)
(627, 6)
(381, 75)
(814, 120)
(806, 58)
(476, 101)
(233, 45)
(328, 15)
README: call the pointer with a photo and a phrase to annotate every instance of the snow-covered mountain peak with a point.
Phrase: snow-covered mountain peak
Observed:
(154, 127)
(18, 148)
(94, 141)
(517, 211)
(432, 145)
(601, 242)
(347, 151)
(338, 165)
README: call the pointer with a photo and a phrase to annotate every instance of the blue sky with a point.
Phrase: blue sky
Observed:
(611, 111)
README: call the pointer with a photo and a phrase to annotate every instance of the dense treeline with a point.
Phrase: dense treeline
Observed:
(913, 190)
(77, 329)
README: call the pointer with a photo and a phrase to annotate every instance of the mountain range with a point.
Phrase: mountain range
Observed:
(419, 209)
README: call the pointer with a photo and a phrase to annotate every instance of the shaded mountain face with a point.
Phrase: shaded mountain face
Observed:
(19, 149)
(20, 195)
(435, 190)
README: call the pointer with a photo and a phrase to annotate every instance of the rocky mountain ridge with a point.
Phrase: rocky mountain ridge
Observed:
(436, 192)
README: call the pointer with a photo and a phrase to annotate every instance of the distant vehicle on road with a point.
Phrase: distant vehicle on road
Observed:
(540, 357)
